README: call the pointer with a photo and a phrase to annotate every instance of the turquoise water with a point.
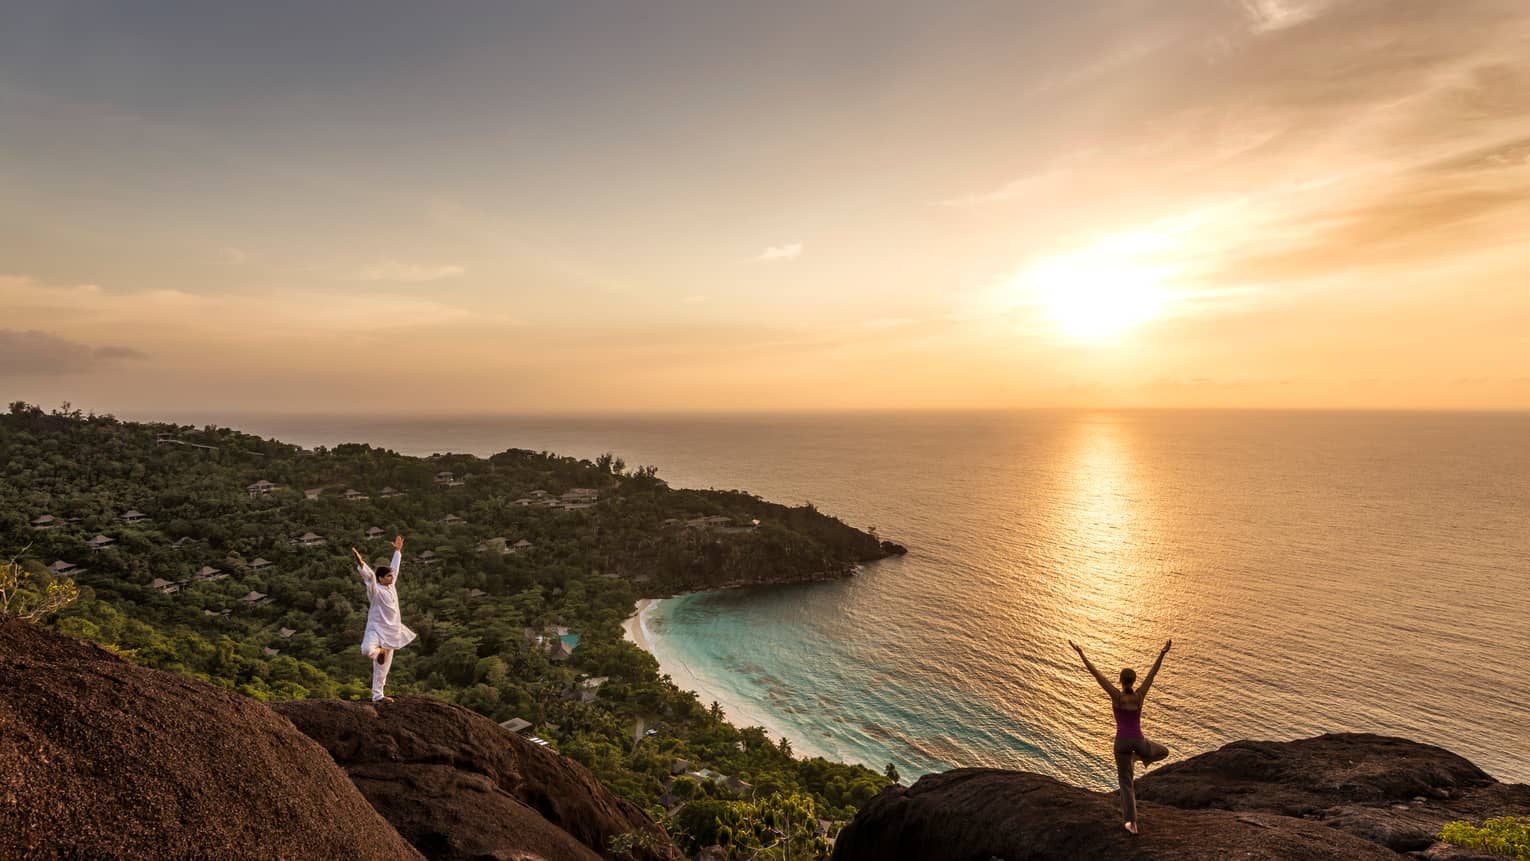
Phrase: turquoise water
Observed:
(1317, 571)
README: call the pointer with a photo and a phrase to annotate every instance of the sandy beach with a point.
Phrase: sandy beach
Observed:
(638, 629)
(632, 626)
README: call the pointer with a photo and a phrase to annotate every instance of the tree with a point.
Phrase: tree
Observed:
(684, 788)
(30, 596)
(891, 772)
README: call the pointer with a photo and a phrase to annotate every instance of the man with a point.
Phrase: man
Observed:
(386, 632)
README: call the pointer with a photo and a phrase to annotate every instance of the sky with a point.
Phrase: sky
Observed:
(582, 207)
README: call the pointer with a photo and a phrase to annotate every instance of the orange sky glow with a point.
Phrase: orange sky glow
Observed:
(1214, 203)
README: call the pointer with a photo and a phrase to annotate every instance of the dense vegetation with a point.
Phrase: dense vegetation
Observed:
(478, 609)
(1507, 835)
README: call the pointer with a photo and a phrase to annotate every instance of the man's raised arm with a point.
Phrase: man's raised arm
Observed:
(398, 555)
(362, 567)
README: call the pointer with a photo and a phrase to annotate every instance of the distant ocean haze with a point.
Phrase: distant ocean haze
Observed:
(1318, 571)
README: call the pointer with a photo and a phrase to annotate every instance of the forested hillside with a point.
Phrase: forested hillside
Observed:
(225, 556)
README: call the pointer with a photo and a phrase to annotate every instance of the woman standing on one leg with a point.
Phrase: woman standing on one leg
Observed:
(1126, 703)
(386, 631)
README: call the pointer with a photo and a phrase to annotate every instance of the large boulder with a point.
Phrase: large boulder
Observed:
(1389, 790)
(102, 759)
(979, 814)
(459, 786)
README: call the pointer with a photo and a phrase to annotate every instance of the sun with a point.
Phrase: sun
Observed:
(1094, 296)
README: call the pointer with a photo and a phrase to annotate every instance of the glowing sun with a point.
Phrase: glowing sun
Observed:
(1095, 296)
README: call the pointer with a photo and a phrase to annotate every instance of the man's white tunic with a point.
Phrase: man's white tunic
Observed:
(385, 629)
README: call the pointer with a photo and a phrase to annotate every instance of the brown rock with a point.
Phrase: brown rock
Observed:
(1391, 791)
(977, 814)
(102, 759)
(460, 786)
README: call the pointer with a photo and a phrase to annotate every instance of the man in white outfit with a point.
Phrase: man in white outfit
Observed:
(386, 631)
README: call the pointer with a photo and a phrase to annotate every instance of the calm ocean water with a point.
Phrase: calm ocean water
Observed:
(1317, 572)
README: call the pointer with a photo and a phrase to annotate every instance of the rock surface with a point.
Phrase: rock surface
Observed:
(1388, 790)
(979, 814)
(459, 786)
(102, 759)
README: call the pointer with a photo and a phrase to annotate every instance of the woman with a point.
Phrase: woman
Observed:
(1126, 703)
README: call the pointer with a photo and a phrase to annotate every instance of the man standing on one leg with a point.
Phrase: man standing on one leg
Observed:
(386, 631)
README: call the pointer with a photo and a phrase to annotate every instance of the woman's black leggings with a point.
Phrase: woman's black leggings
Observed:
(1127, 748)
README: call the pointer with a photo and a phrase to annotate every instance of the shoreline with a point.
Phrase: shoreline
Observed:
(635, 630)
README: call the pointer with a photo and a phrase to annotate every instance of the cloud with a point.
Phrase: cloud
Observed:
(1269, 15)
(229, 256)
(780, 253)
(33, 353)
(120, 353)
(1034, 186)
(393, 270)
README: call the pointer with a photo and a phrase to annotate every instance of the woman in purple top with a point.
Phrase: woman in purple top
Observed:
(1126, 703)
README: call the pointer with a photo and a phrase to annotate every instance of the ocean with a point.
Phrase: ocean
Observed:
(1317, 572)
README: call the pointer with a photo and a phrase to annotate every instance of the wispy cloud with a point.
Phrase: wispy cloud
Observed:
(36, 353)
(1035, 185)
(229, 256)
(393, 270)
(1269, 15)
(780, 253)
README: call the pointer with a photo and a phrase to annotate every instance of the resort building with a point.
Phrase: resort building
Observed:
(518, 546)
(99, 543)
(353, 495)
(309, 539)
(164, 586)
(313, 492)
(589, 689)
(389, 493)
(254, 598)
(286, 633)
(516, 724)
(260, 488)
(207, 572)
(429, 557)
(63, 568)
(476, 593)
(46, 522)
(374, 533)
(134, 516)
(452, 520)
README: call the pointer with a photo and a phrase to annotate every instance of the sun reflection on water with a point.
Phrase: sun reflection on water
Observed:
(1103, 522)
